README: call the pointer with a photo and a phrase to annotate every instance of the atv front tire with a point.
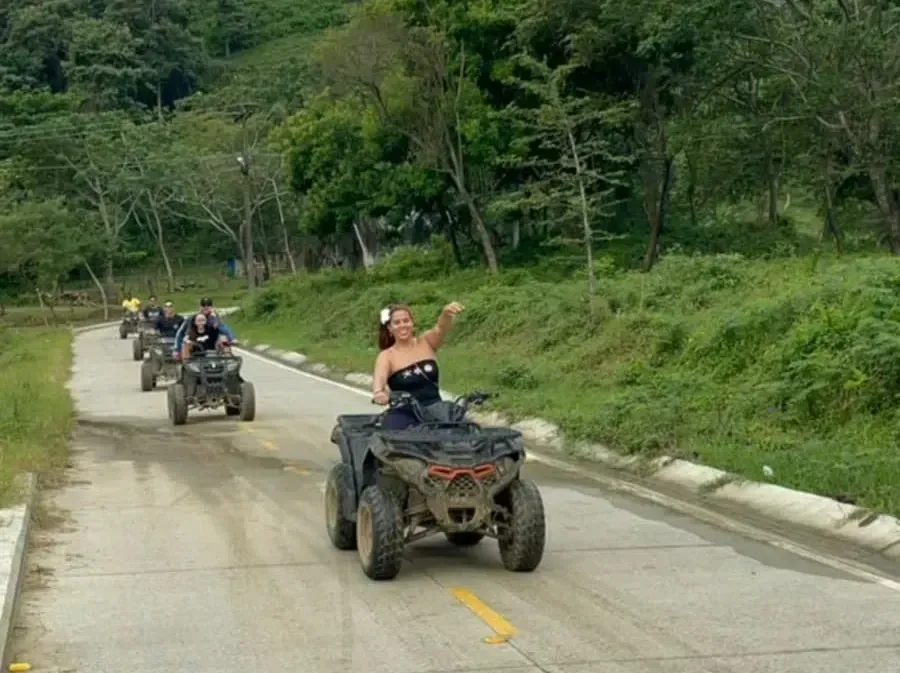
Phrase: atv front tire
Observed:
(137, 350)
(248, 401)
(341, 530)
(178, 407)
(148, 381)
(522, 543)
(379, 534)
(123, 332)
(464, 539)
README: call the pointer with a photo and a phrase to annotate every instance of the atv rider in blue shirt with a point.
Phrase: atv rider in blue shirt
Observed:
(212, 320)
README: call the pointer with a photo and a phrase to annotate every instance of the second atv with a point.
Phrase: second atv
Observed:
(160, 364)
(146, 337)
(129, 324)
(447, 475)
(208, 381)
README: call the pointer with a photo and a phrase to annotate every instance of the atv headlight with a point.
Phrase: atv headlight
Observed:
(191, 367)
(232, 367)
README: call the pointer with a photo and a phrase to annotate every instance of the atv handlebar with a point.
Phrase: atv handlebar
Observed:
(463, 402)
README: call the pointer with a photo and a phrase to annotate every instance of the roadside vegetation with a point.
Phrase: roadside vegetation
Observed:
(36, 412)
(675, 222)
(731, 362)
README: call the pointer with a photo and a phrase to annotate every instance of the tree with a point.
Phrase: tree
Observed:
(423, 92)
(574, 146)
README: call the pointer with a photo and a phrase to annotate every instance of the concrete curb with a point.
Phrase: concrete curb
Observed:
(15, 525)
(877, 532)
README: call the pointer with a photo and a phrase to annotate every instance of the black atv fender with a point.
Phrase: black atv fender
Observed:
(351, 500)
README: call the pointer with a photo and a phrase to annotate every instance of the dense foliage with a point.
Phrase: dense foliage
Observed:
(736, 363)
(323, 132)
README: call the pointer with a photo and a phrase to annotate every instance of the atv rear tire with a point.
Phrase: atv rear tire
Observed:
(464, 539)
(522, 544)
(341, 530)
(148, 381)
(178, 407)
(123, 332)
(137, 350)
(248, 401)
(379, 534)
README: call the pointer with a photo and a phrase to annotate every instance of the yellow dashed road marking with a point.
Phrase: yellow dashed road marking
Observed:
(296, 470)
(502, 628)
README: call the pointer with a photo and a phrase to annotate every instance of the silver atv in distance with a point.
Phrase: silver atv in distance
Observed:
(129, 325)
(160, 365)
(448, 475)
(146, 337)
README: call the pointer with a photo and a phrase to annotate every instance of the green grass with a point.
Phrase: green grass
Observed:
(36, 411)
(791, 363)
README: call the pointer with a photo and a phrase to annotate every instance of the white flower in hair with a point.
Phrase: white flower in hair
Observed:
(385, 316)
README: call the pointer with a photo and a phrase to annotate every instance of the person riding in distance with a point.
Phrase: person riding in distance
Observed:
(169, 322)
(202, 337)
(407, 363)
(153, 310)
(212, 319)
(131, 305)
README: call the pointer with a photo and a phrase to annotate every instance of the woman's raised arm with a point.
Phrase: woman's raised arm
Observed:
(436, 335)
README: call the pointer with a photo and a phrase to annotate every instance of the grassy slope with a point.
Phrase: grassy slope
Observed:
(36, 411)
(793, 364)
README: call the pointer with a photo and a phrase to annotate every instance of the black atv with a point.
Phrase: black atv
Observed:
(146, 337)
(160, 364)
(208, 381)
(447, 475)
(129, 325)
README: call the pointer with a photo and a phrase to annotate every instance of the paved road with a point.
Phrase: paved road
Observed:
(203, 549)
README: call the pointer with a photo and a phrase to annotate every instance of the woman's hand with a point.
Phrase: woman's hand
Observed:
(381, 397)
(453, 309)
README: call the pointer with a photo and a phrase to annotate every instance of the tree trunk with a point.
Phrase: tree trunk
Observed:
(772, 192)
(249, 261)
(887, 204)
(692, 188)
(831, 225)
(457, 172)
(284, 231)
(481, 229)
(585, 219)
(368, 258)
(40, 299)
(159, 106)
(170, 275)
(100, 289)
(657, 166)
(656, 202)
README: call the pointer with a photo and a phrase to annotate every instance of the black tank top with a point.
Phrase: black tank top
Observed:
(420, 379)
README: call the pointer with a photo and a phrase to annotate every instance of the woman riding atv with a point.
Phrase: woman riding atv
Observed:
(202, 337)
(407, 363)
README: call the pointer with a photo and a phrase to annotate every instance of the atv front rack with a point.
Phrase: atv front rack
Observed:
(452, 440)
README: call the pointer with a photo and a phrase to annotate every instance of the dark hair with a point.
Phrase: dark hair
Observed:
(385, 338)
(192, 328)
(206, 301)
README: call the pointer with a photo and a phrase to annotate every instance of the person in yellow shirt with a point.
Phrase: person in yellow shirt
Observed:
(132, 305)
